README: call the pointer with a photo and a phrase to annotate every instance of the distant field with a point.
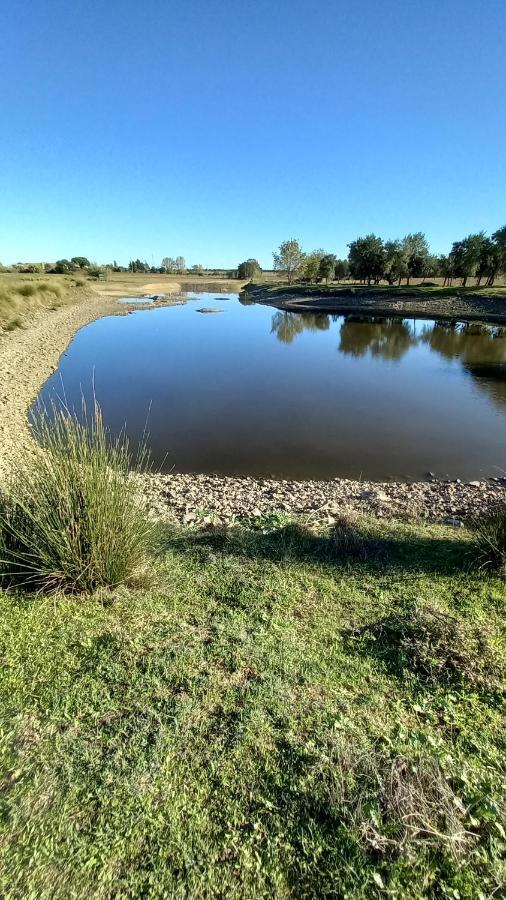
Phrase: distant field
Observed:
(120, 284)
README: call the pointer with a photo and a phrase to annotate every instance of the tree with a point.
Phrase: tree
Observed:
(327, 267)
(289, 259)
(180, 265)
(169, 264)
(341, 269)
(197, 269)
(137, 265)
(367, 258)
(446, 269)
(80, 261)
(396, 262)
(62, 266)
(248, 269)
(497, 263)
(416, 250)
(467, 255)
(311, 266)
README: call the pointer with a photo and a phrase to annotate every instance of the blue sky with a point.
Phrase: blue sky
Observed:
(217, 129)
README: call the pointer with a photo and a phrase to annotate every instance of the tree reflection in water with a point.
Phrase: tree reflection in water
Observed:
(383, 338)
(479, 347)
(287, 325)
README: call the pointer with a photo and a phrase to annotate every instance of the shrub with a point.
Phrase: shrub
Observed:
(490, 540)
(71, 519)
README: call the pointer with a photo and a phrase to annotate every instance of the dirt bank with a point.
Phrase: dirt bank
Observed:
(380, 302)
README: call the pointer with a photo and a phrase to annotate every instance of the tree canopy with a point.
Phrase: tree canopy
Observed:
(248, 269)
(289, 258)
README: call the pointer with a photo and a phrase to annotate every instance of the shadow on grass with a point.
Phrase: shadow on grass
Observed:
(345, 545)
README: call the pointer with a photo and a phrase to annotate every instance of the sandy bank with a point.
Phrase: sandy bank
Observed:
(28, 356)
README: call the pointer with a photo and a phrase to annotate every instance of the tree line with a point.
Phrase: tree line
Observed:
(372, 259)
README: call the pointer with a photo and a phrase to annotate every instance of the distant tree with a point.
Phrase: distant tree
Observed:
(446, 269)
(396, 262)
(289, 259)
(180, 265)
(80, 261)
(311, 266)
(137, 265)
(62, 266)
(497, 263)
(467, 255)
(197, 269)
(327, 267)
(367, 258)
(248, 269)
(416, 250)
(169, 264)
(341, 269)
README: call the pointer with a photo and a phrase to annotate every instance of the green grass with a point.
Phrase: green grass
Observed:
(266, 721)
(337, 289)
(70, 518)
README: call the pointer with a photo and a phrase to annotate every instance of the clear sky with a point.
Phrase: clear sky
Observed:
(216, 129)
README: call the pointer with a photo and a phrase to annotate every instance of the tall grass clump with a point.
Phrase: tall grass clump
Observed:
(22, 296)
(71, 519)
(490, 540)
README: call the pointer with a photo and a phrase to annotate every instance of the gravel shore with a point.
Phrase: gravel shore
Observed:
(206, 499)
(29, 355)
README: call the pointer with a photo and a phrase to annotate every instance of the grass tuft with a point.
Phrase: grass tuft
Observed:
(436, 646)
(70, 519)
(490, 540)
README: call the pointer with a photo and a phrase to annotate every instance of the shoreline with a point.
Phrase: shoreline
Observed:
(378, 302)
(30, 355)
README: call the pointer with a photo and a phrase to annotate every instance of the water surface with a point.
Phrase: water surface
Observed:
(254, 391)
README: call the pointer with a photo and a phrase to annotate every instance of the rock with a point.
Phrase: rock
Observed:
(375, 495)
(474, 483)
(454, 522)
(431, 475)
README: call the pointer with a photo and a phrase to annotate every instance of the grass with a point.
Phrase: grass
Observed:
(20, 296)
(490, 538)
(70, 518)
(249, 726)
(432, 291)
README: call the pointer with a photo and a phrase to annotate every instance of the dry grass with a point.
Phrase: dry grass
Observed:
(21, 296)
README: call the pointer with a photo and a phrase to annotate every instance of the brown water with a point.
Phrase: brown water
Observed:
(253, 391)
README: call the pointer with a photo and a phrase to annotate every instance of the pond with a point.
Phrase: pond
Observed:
(259, 392)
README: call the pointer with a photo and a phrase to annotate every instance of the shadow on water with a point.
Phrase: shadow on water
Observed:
(347, 544)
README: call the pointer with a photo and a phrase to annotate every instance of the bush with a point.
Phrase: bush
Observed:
(71, 519)
(490, 540)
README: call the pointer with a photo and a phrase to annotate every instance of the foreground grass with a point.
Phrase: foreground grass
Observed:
(20, 296)
(258, 724)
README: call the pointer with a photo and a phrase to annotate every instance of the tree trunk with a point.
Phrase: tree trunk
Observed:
(464, 281)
